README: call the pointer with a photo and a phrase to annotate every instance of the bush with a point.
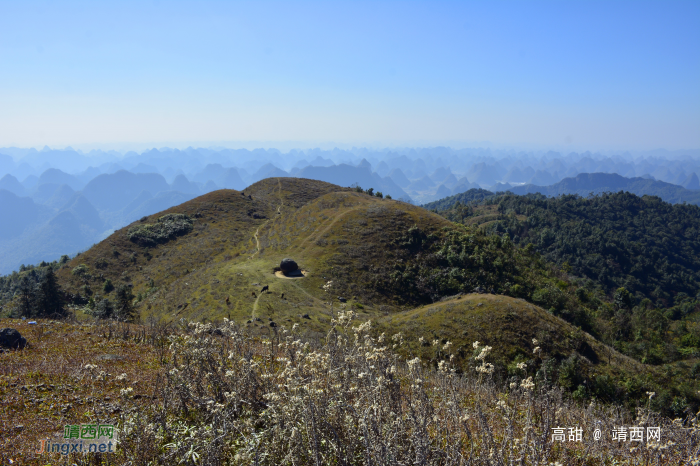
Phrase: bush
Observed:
(549, 297)
(124, 308)
(82, 271)
(108, 287)
(168, 227)
(104, 309)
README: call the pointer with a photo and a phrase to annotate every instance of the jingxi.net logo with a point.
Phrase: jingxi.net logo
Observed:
(82, 438)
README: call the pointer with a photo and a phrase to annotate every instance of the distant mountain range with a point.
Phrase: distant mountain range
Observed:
(347, 175)
(100, 191)
(596, 183)
(584, 185)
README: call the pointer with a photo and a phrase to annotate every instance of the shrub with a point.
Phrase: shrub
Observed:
(104, 309)
(168, 227)
(107, 287)
(101, 263)
(82, 271)
(124, 308)
(549, 297)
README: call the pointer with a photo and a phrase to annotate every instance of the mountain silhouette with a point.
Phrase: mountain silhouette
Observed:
(347, 175)
(423, 184)
(6, 163)
(228, 178)
(182, 184)
(161, 201)
(268, 171)
(83, 212)
(691, 182)
(60, 196)
(115, 191)
(586, 183)
(46, 191)
(17, 214)
(11, 184)
(519, 174)
(399, 177)
(58, 177)
(542, 178)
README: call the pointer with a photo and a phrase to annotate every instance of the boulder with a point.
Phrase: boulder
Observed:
(288, 266)
(11, 338)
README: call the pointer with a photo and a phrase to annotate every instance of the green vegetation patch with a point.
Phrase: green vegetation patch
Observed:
(168, 227)
(472, 195)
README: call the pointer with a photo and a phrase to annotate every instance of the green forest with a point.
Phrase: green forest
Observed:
(635, 261)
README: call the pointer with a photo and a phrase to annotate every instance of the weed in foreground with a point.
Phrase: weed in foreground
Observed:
(227, 398)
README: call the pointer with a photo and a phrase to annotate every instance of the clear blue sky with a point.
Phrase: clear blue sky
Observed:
(602, 74)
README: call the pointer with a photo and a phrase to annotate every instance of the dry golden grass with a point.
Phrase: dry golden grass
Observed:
(52, 383)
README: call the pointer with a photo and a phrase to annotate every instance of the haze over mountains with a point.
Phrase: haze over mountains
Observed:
(56, 202)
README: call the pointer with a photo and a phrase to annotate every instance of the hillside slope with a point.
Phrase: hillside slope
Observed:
(514, 328)
(381, 253)
(389, 261)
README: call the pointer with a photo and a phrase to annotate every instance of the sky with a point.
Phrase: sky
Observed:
(594, 74)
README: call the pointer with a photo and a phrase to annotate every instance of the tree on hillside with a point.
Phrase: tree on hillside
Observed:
(124, 308)
(25, 307)
(104, 309)
(108, 287)
(50, 302)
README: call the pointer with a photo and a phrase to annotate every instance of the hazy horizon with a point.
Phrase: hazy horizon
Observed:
(286, 148)
(568, 76)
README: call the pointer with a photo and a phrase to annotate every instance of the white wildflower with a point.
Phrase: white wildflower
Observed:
(413, 363)
(484, 352)
(486, 368)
